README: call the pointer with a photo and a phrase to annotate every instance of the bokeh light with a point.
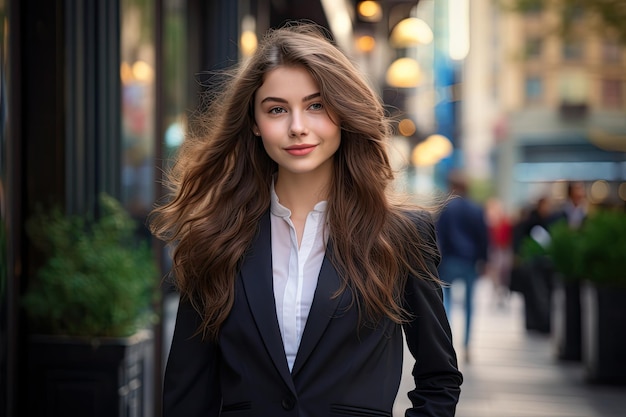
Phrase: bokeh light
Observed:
(406, 127)
(365, 43)
(599, 191)
(404, 73)
(370, 11)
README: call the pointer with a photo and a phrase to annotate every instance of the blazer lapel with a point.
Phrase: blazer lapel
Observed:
(257, 277)
(324, 307)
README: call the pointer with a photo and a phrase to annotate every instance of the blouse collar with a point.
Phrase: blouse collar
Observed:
(279, 210)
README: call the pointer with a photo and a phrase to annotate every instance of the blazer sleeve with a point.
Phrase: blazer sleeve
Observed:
(191, 384)
(429, 339)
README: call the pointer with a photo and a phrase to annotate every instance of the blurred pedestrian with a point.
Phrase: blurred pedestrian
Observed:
(535, 267)
(566, 328)
(297, 273)
(575, 207)
(463, 240)
(500, 256)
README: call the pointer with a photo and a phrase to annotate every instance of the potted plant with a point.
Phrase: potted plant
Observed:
(536, 287)
(603, 296)
(89, 308)
(564, 251)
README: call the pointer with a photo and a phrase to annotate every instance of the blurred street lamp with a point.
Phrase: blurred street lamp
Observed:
(599, 191)
(370, 11)
(248, 40)
(143, 72)
(365, 43)
(140, 71)
(431, 151)
(411, 31)
(126, 73)
(406, 127)
(404, 73)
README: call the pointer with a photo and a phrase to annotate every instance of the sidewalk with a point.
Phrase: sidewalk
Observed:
(514, 373)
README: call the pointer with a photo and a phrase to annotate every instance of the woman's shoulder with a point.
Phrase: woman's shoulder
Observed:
(420, 238)
(417, 225)
(422, 219)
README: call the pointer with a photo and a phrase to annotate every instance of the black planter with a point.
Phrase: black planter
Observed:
(102, 377)
(537, 295)
(603, 337)
(566, 320)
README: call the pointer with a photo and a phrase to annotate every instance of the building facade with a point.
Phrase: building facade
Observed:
(562, 105)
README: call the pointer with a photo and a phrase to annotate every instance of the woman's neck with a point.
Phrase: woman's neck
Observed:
(300, 193)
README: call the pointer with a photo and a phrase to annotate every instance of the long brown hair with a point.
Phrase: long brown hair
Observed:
(220, 186)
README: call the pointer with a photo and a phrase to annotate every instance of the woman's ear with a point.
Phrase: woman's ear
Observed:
(256, 130)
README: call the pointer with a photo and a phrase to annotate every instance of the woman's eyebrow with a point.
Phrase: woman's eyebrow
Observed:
(311, 96)
(282, 100)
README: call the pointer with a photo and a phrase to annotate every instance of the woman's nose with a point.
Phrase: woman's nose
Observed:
(297, 126)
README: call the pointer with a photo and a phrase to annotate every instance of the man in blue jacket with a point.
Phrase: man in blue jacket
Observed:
(463, 240)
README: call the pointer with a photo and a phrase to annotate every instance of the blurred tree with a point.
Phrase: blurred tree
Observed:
(611, 13)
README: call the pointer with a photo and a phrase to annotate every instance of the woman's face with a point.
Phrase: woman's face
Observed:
(297, 131)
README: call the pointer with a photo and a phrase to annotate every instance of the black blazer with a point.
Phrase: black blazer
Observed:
(341, 368)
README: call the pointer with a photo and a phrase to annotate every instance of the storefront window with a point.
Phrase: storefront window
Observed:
(534, 90)
(175, 76)
(137, 73)
(612, 93)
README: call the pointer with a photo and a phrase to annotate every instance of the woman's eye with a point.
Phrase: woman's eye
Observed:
(276, 110)
(316, 106)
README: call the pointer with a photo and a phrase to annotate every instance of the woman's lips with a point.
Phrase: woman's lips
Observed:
(300, 150)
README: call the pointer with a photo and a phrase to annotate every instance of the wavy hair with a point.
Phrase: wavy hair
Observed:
(220, 186)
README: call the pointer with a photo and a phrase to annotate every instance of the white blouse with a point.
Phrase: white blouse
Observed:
(295, 270)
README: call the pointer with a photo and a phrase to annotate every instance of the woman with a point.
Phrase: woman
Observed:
(296, 271)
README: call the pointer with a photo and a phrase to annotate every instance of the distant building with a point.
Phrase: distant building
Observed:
(562, 103)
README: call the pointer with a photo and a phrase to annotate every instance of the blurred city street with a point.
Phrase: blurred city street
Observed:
(514, 108)
(514, 373)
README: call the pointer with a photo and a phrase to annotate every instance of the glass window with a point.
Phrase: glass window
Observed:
(532, 8)
(612, 52)
(138, 105)
(574, 12)
(533, 47)
(572, 50)
(174, 76)
(612, 93)
(534, 89)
